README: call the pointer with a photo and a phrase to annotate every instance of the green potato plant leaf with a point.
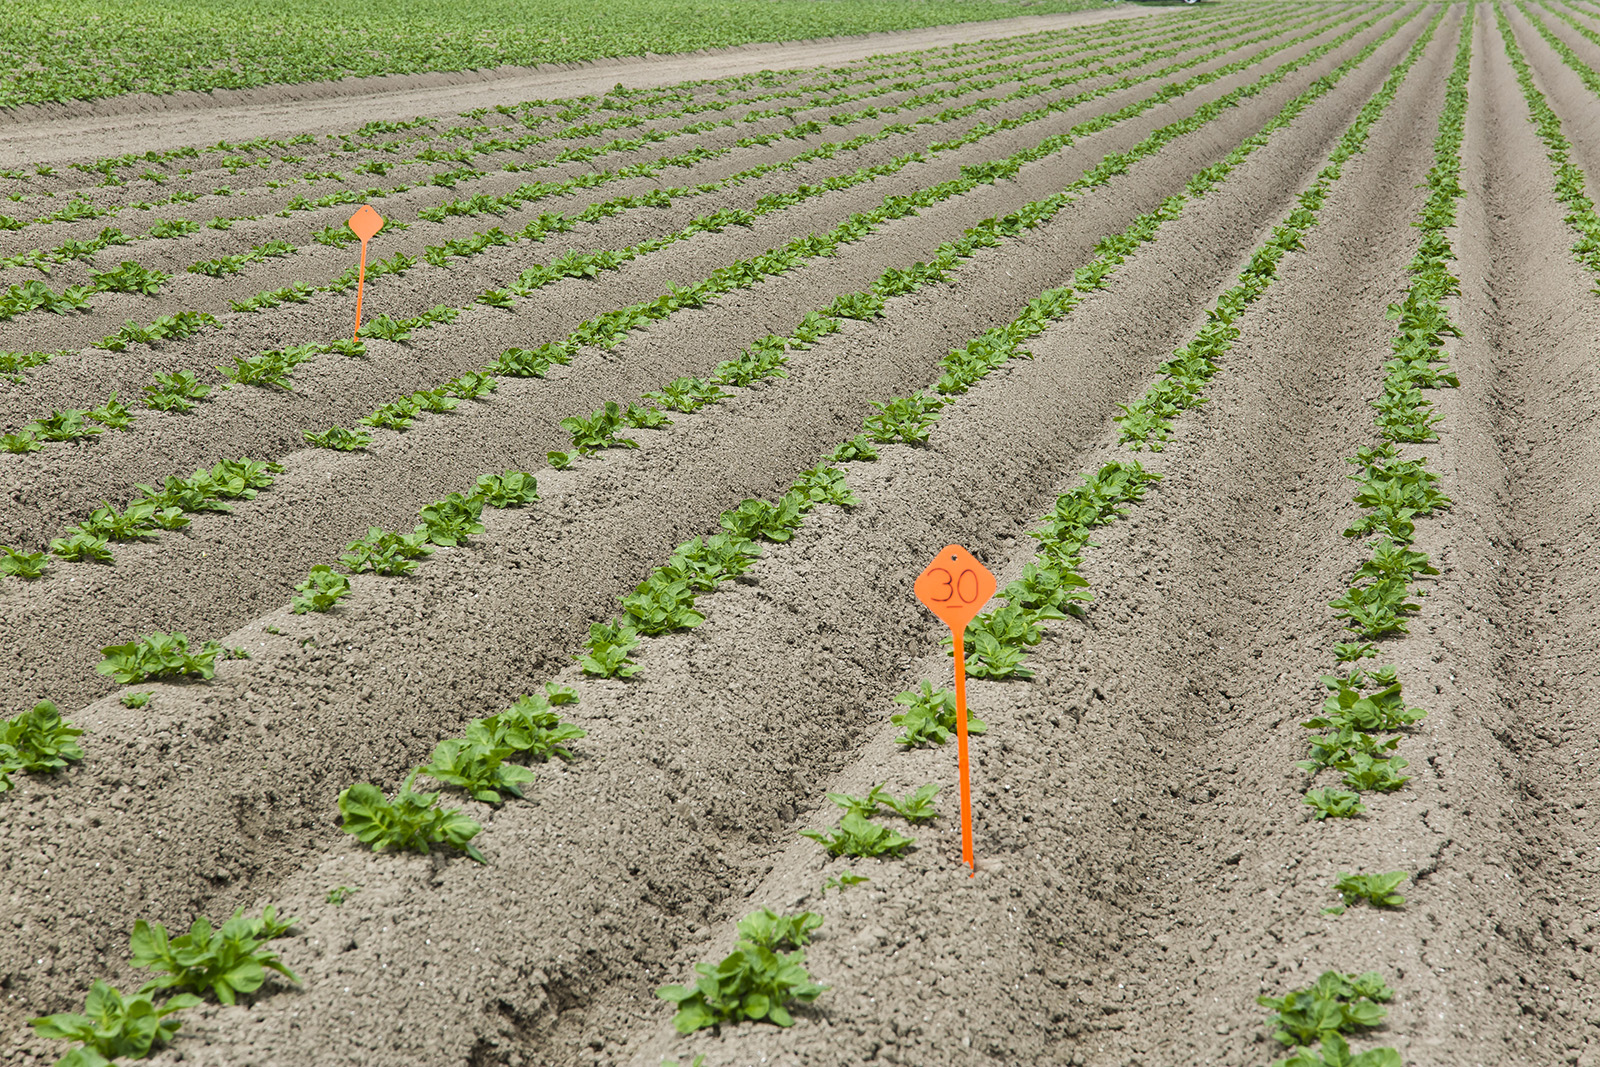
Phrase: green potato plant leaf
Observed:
(1376, 889)
(855, 835)
(159, 655)
(930, 716)
(1335, 1004)
(770, 930)
(321, 590)
(752, 983)
(113, 1026)
(608, 650)
(226, 961)
(412, 822)
(38, 741)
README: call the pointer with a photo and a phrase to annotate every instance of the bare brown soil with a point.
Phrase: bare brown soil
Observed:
(1147, 868)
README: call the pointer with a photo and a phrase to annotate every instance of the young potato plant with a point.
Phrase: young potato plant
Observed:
(608, 651)
(930, 716)
(24, 565)
(598, 430)
(451, 521)
(1336, 1053)
(113, 414)
(1334, 804)
(478, 768)
(770, 930)
(136, 700)
(754, 519)
(906, 419)
(114, 1027)
(752, 983)
(823, 484)
(339, 439)
(386, 553)
(412, 822)
(1335, 1004)
(225, 962)
(843, 881)
(175, 391)
(81, 547)
(159, 655)
(1376, 889)
(130, 277)
(856, 835)
(858, 448)
(321, 590)
(68, 425)
(509, 490)
(661, 604)
(706, 564)
(38, 741)
(530, 728)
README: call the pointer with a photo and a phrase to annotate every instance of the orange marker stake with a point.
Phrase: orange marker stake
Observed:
(365, 224)
(955, 587)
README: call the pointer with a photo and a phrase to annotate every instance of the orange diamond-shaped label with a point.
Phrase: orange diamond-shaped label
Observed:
(955, 587)
(365, 223)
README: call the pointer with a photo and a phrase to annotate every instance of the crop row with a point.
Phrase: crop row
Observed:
(515, 363)
(751, 967)
(440, 254)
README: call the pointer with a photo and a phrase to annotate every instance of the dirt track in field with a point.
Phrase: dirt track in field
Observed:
(1147, 867)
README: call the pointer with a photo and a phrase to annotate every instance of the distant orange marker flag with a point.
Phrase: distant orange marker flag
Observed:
(955, 587)
(365, 224)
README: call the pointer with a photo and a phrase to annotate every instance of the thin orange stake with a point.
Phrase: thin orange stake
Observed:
(955, 587)
(365, 224)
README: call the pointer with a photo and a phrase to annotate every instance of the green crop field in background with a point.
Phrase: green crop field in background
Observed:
(82, 51)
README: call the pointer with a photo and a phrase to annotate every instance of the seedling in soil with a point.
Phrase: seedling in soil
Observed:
(1336, 1003)
(1376, 889)
(81, 547)
(559, 460)
(858, 836)
(930, 716)
(1375, 610)
(226, 961)
(1336, 1053)
(113, 414)
(1363, 772)
(158, 655)
(339, 894)
(528, 728)
(413, 822)
(21, 442)
(175, 391)
(471, 385)
(385, 553)
(479, 769)
(598, 430)
(770, 930)
(136, 700)
(509, 490)
(1351, 652)
(339, 438)
(452, 520)
(1050, 586)
(752, 983)
(907, 419)
(1334, 804)
(769, 522)
(823, 484)
(114, 1027)
(38, 741)
(646, 418)
(66, 425)
(321, 590)
(24, 565)
(608, 651)
(848, 878)
(857, 448)
(661, 604)
(130, 277)
(1381, 709)
(916, 806)
(704, 565)
(1335, 749)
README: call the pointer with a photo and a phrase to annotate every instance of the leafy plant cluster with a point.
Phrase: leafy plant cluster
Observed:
(169, 327)
(166, 508)
(1335, 1005)
(756, 981)
(37, 741)
(224, 962)
(225, 265)
(488, 763)
(857, 835)
(159, 655)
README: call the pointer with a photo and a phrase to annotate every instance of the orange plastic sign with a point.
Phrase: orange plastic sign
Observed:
(365, 224)
(955, 587)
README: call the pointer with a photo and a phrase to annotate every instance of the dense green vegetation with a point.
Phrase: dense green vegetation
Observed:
(66, 52)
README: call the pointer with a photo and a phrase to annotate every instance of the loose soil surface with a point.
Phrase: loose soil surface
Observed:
(1146, 866)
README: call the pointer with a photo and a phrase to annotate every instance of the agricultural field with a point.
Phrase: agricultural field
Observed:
(533, 676)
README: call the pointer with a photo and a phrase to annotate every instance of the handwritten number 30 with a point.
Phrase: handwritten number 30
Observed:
(957, 589)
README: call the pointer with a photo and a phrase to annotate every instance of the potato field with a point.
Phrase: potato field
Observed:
(535, 677)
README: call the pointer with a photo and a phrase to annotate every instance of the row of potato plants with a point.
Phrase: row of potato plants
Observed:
(608, 329)
(185, 323)
(41, 258)
(611, 326)
(573, 108)
(1570, 187)
(547, 223)
(755, 982)
(1367, 702)
(717, 994)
